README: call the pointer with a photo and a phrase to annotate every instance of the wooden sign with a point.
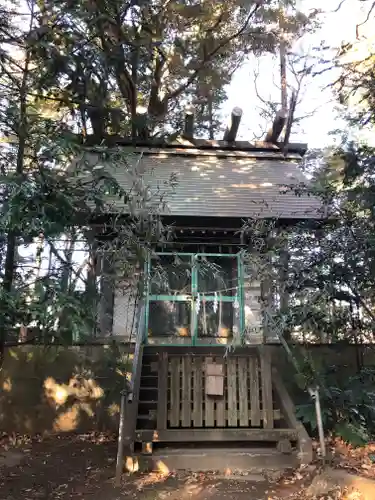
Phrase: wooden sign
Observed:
(214, 379)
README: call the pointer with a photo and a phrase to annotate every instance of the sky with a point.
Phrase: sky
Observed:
(317, 99)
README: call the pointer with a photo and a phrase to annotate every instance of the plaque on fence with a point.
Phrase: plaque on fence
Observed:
(214, 379)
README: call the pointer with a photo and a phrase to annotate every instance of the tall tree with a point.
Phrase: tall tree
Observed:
(48, 208)
(330, 276)
(17, 72)
(116, 56)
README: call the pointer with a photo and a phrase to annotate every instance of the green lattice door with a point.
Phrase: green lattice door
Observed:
(194, 299)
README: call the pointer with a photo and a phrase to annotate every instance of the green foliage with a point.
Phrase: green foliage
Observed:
(55, 208)
(348, 406)
(53, 187)
(113, 56)
(328, 283)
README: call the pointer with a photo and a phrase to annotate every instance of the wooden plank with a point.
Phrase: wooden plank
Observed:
(254, 391)
(154, 366)
(197, 392)
(135, 378)
(132, 408)
(232, 391)
(217, 435)
(267, 402)
(186, 391)
(267, 305)
(214, 369)
(175, 391)
(147, 448)
(288, 409)
(209, 404)
(214, 379)
(215, 385)
(220, 406)
(207, 351)
(162, 391)
(224, 418)
(242, 392)
(276, 414)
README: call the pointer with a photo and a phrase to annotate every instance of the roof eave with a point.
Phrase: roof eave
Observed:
(204, 144)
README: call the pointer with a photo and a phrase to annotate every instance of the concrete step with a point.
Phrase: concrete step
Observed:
(240, 461)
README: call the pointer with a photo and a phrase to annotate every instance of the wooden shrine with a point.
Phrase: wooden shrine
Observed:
(203, 367)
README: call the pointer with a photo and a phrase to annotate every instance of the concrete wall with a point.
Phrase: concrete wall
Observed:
(62, 389)
(65, 389)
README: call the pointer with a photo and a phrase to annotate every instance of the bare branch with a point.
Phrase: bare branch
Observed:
(289, 124)
(211, 54)
(268, 103)
(64, 262)
(338, 7)
(365, 21)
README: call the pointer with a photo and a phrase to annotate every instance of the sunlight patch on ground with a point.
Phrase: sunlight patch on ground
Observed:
(7, 385)
(131, 464)
(150, 479)
(162, 468)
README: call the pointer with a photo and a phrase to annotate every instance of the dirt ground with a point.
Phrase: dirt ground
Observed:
(82, 467)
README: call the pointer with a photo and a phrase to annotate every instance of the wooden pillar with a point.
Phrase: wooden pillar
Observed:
(93, 270)
(276, 128)
(189, 122)
(232, 128)
(269, 289)
(162, 410)
(141, 123)
(267, 399)
(266, 289)
(283, 276)
(236, 281)
(283, 285)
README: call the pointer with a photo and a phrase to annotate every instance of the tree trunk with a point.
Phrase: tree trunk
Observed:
(93, 270)
(64, 324)
(283, 80)
(10, 256)
(134, 97)
(211, 119)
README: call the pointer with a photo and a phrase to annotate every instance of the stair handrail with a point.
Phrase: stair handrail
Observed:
(137, 350)
(312, 391)
(127, 396)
